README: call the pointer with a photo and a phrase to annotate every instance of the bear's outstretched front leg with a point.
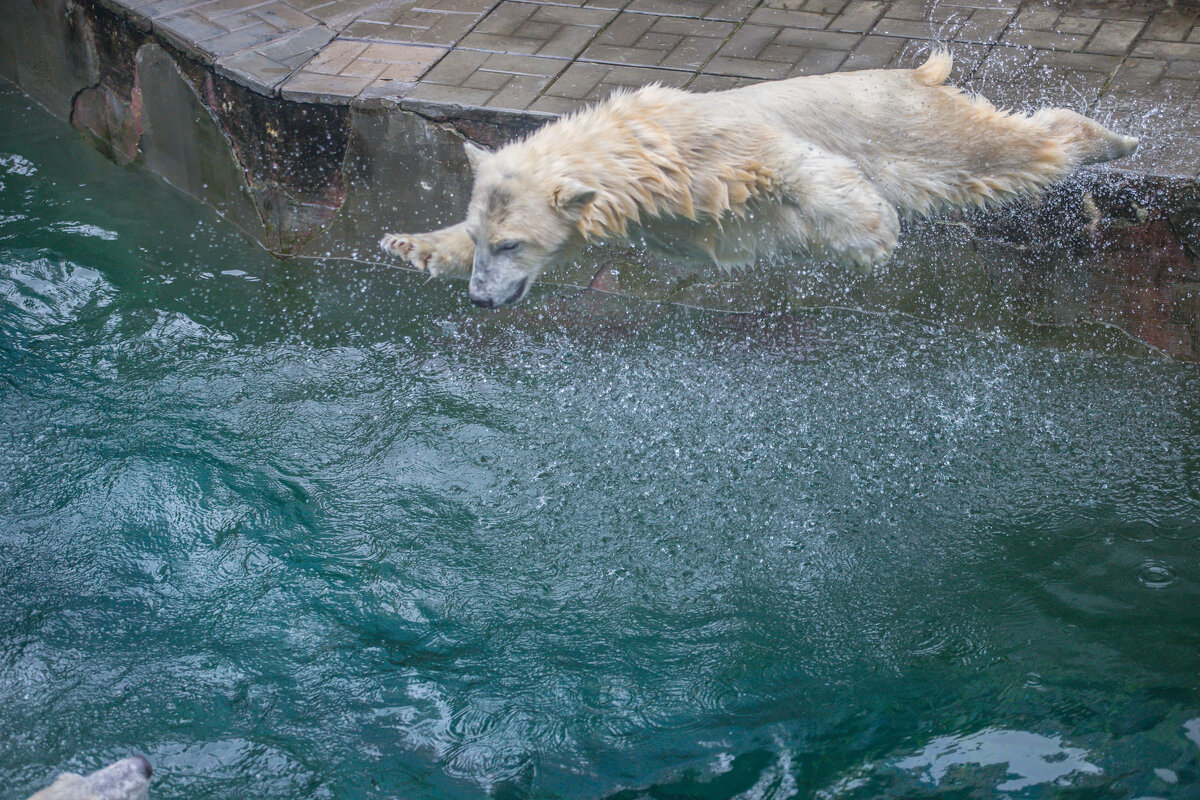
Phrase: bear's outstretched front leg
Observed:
(839, 210)
(443, 252)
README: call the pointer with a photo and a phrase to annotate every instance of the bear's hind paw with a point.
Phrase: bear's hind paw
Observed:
(865, 259)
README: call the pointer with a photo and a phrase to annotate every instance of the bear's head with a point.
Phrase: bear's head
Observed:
(522, 217)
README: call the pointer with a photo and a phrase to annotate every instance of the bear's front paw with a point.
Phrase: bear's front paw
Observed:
(416, 251)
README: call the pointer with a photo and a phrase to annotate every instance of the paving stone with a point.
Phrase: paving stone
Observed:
(1069, 23)
(783, 18)
(695, 27)
(983, 24)
(1148, 84)
(264, 67)
(748, 68)
(826, 40)
(728, 10)
(240, 39)
(816, 6)
(1044, 40)
(456, 67)
(875, 52)
(397, 62)
(919, 10)
(1026, 80)
(447, 95)
(770, 52)
(857, 17)
(1110, 9)
(957, 22)
(336, 14)
(336, 56)
(189, 28)
(717, 83)
(913, 52)
(254, 70)
(645, 40)
(532, 29)
(554, 105)
(511, 82)
(344, 68)
(1037, 18)
(161, 8)
(913, 29)
(585, 82)
(314, 87)
(1171, 25)
(220, 27)
(295, 49)
(436, 22)
(611, 5)
(1185, 51)
(749, 41)
(519, 92)
(1010, 5)
(1114, 37)
(224, 10)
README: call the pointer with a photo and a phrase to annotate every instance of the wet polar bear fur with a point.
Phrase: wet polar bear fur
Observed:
(127, 779)
(826, 165)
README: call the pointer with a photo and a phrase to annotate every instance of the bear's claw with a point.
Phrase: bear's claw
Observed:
(417, 252)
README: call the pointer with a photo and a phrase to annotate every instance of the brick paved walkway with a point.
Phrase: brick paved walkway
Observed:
(1134, 65)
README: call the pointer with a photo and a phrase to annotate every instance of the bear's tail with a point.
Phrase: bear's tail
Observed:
(936, 68)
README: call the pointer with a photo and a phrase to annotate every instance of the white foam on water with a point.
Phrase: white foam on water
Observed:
(175, 327)
(776, 782)
(83, 229)
(14, 164)
(1166, 775)
(844, 785)
(45, 292)
(1191, 729)
(721, 764)
(1031, 759)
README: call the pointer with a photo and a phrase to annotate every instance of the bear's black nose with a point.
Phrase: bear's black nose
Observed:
(483, 302)
(144, 765)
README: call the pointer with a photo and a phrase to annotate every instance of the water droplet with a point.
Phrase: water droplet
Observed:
(1156, 575)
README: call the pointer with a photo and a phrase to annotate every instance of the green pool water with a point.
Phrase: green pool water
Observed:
(322, 530)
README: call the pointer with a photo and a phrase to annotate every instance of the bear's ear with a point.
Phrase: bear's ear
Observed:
(475, 154)
(572, 197)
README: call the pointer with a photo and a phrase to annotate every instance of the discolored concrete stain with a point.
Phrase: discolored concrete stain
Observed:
(316, 124)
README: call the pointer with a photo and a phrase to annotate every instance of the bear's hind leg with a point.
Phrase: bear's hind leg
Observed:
(838, 210)
(447, 251)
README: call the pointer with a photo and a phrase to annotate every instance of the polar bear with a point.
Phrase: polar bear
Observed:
(127, 779)
(826, 166)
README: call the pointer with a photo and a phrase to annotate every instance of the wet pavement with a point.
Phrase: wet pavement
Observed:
(1136, 66)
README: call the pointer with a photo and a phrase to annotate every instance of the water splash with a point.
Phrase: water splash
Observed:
(83, 229)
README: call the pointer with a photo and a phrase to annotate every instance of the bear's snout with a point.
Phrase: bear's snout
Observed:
(487, 298)
(482, 302)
